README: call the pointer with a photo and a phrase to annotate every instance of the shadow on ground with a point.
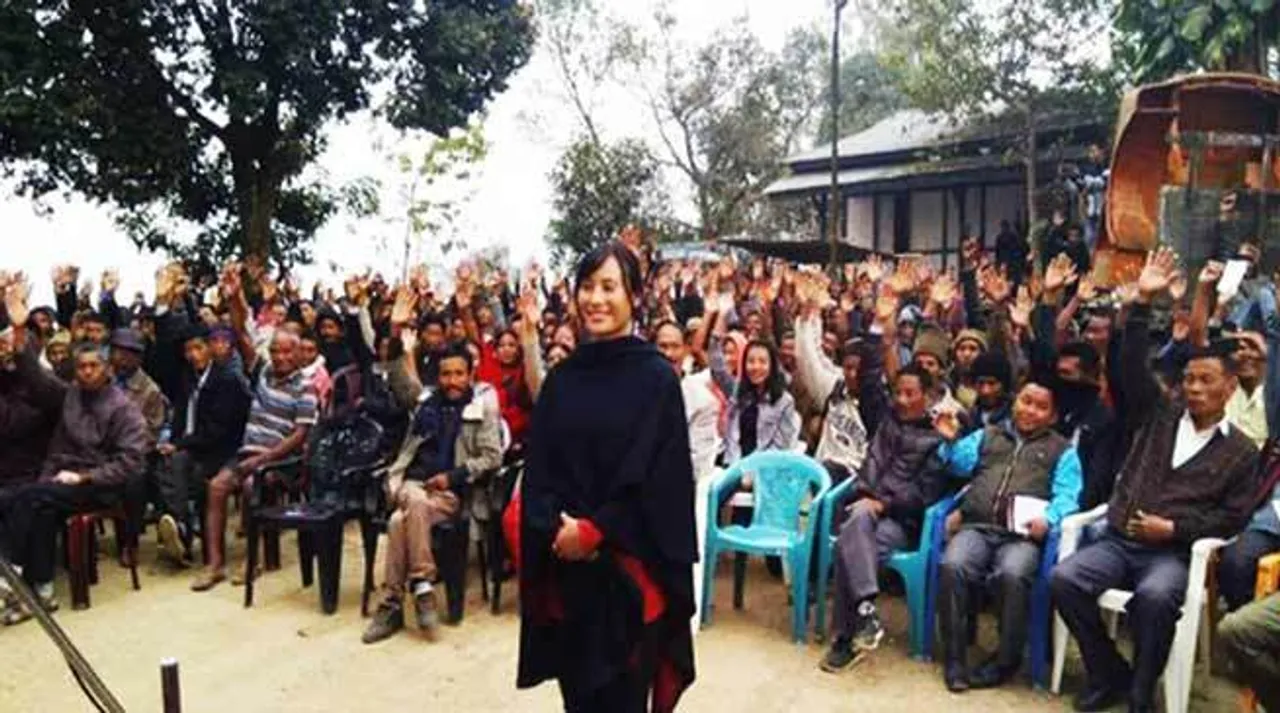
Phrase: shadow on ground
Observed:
(285, 655)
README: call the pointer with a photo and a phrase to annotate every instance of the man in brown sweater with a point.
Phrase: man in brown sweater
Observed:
(1188, 475)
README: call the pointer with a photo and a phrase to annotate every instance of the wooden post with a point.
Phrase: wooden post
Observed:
(169, 686)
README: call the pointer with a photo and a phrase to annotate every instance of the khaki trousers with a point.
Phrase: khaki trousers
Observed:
(409, 554)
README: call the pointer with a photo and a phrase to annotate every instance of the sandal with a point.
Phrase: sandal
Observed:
(208, 581)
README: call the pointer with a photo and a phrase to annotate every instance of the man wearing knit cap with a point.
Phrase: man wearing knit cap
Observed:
(992, 376)
(933, 355)
(965, 348)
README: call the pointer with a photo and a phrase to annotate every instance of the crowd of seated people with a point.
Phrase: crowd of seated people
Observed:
(1006, 382)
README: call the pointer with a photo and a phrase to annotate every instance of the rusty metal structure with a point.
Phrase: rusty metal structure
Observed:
(1194, 166)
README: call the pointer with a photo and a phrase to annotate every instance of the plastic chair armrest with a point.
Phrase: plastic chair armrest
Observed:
(1198, 576)
(282, 464)
(725, 482)
(1073, 526)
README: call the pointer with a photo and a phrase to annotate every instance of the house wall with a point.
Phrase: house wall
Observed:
(859, 221)
(1004, 202)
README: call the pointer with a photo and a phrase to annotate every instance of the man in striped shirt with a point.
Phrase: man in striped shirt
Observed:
(284, 408)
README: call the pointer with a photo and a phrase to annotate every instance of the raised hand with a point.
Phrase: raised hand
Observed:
(402, 308)
(1157, 274)
(1127, 293)
(1087, 291)
(527, 305)
(1020, 310)
(886, 308)
(356, 290)
(409, 340)
(16, 295)
(464, 293)
(1178, 288)
(943, 292)
(110, 281)
(947, 424)
(1211, 273)
(874, 268)
(1060, 273)
(995, 283)
(904, 278)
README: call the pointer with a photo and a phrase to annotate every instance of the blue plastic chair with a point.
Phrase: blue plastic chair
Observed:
(782, 481)
(911, 565)
(1038, 644)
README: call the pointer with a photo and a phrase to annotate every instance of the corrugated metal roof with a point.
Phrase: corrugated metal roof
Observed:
(901, 131)
(857, 176)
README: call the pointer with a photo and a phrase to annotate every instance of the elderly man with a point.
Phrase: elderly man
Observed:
(99, 444)
(127, 350)
(454, 439)
(1189, 474)
(283, 409)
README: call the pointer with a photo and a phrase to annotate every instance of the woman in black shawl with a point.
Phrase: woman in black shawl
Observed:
(607, 532)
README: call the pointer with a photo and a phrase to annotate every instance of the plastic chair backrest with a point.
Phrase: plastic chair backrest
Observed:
(781, 482)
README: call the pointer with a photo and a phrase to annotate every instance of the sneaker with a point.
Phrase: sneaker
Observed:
(841, 656)
(867, 632)
(170, 536)
(424, 606)
(388, 620)
(15, 612)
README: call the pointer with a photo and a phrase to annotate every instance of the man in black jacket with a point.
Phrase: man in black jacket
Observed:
(30, 406)
(894, 489)
(1188, 475)
(208, 427)
(1087, 420)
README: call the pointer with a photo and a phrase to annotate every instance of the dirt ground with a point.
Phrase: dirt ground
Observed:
(285, 655)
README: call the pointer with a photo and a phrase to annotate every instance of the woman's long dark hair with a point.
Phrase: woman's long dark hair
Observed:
(775, 385)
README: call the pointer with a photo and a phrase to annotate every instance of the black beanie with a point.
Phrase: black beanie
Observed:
(993, 365)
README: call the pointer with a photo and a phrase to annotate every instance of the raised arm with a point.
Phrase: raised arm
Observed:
(1203, 303)
(233, 295)
(1138, 387)
(816, 375)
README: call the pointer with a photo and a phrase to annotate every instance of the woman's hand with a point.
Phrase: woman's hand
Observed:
(568, 545)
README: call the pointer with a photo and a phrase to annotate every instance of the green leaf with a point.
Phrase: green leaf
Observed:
(1196, 22)
(1261, 6)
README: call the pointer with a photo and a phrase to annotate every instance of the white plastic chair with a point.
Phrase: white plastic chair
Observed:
(1180, 667)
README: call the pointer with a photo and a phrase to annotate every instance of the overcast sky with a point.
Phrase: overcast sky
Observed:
(509, 197)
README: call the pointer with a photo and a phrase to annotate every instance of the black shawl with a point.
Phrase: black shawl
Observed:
(609, 443)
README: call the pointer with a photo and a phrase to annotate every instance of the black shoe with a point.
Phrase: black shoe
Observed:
(957, 677)
(841, 656)
(992, 674)
(867, 631)
(1103, 696)
(1141, 708)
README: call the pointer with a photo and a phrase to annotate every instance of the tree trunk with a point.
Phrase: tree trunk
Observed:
(1030, 164)
(257, 236)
